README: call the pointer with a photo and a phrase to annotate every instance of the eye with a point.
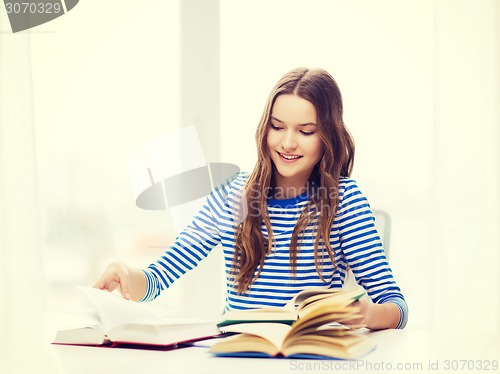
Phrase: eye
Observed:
(307, 133)
(277, 128)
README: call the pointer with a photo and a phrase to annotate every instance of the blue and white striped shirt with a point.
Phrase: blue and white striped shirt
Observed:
(353, 237)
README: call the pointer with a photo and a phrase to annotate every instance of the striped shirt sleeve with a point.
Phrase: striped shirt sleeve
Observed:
(364, 251)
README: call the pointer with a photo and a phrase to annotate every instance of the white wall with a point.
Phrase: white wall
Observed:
(466, 235)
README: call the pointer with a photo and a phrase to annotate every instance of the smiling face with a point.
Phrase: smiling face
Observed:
(293, 143)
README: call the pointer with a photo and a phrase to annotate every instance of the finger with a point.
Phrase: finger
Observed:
(111, 286)
(124, 283)
(102, 283)
(108, 281)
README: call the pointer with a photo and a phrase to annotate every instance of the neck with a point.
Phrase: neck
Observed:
(286, 188)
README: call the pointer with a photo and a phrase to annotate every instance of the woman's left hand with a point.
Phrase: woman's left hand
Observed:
(365, 309)
(376, 316)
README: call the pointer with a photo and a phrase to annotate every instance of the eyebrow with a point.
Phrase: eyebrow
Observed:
(302, 124)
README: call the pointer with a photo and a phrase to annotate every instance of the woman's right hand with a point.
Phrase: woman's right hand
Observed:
(117, 275)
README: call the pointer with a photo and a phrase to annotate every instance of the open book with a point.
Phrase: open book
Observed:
(117, 322)
(321, 328)
(298, 305)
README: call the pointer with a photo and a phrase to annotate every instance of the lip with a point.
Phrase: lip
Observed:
(289, 160)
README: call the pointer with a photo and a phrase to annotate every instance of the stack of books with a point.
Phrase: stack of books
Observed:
(317, 323)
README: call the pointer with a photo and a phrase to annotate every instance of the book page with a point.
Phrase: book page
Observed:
(317, 293)
(269, 314)
(307, 298)
(273, 332)
(72, 319)
(114, 310)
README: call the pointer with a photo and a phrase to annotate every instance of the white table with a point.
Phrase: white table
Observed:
(397, 351)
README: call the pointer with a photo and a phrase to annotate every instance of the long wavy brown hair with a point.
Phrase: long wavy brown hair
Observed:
(251, 246)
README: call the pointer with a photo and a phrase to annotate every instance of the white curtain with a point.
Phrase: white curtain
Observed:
(21, 277)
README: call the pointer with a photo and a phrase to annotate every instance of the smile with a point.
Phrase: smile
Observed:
(288, 157)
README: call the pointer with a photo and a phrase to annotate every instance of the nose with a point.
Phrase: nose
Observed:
(288, 142)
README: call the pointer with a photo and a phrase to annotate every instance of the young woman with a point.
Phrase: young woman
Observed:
(295, 222)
